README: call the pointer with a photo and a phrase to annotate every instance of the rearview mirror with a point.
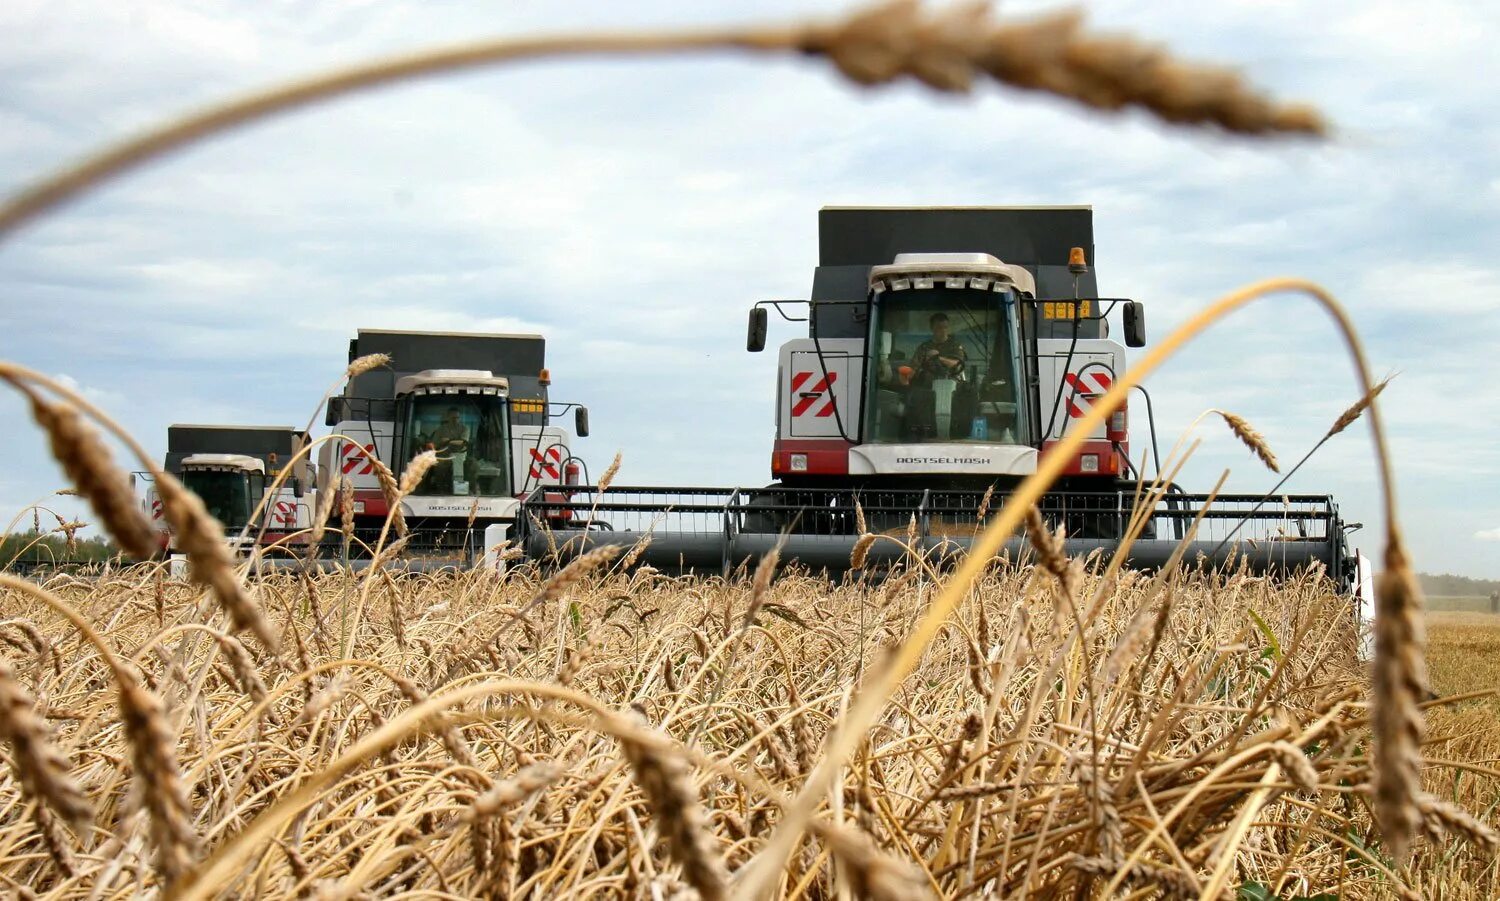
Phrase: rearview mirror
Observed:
(581, 422)
(297, 490)
(1135, 323)
(755, 340)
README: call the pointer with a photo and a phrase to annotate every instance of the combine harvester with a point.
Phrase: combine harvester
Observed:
(230, 468)
(948, 350)
(481, 402)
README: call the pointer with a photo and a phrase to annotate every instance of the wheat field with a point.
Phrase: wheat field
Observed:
(603, 731)
(626, 734)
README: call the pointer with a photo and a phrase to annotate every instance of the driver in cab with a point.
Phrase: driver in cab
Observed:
(451, 436)
(451, 441)
(942, 356)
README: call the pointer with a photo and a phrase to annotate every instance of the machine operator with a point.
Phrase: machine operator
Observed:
(451, 436)
(943, 356)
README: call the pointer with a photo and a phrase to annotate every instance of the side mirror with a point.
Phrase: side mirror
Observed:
(297, 489)
(755, 340)
(1135, 323)
(581, 422)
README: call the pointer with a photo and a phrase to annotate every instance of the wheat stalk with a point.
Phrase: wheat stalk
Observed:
(1154, 796)
(390, 489)
(416, 470)
(1443, 817)
(610, 471)
(760, 875)
(78, 447)
(947, 48)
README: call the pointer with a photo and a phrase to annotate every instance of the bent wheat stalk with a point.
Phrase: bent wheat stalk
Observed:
(946, 49)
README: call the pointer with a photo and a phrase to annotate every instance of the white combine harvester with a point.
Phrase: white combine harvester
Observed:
(230, 468)
(948, 350)
(481, 403)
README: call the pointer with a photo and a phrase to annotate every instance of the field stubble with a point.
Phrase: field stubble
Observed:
(631, 734)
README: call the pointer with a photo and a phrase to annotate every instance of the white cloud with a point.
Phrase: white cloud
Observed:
(102, 397)
(1488, 534)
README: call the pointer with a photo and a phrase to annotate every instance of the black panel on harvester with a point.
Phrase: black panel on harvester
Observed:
(852, 239)
(519, 358)
(250, 440)
(512, 356)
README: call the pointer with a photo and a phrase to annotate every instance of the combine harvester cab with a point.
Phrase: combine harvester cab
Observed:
(481, 403)
(948, 350)
(231, 468)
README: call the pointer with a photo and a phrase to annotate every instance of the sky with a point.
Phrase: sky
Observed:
(632, 211)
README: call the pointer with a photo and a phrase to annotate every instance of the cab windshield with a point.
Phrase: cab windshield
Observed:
(945, 368)
(226, 494)
(471, 435)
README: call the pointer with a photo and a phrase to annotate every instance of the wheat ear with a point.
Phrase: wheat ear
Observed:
(364, 364)
(43, 770)
(1251, 438)
(1400, 679)
(80, 450)
(162, 790)
(1357, 408)
(666, 779)
(950, 47)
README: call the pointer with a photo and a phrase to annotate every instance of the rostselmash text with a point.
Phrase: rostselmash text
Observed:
(943, 461)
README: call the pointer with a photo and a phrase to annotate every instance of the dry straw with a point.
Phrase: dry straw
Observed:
(1397, 643)
(958, 792)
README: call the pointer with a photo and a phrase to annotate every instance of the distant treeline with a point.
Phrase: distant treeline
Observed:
(1448, 585)
(52, 547)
